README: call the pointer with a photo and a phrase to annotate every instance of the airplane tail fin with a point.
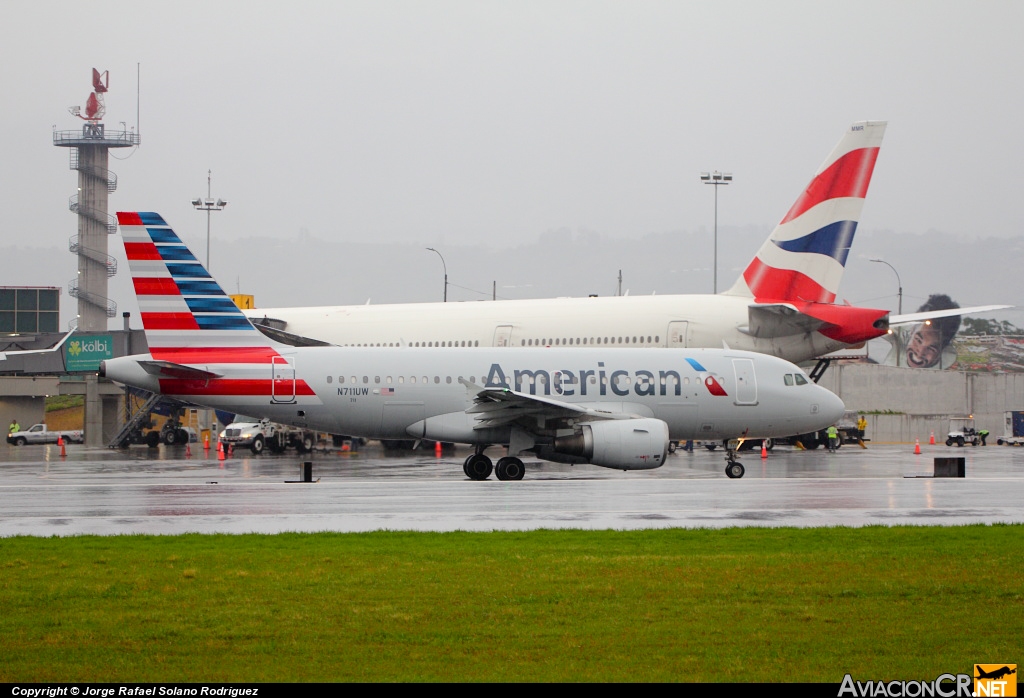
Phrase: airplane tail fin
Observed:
(805, 256)
(186, 314)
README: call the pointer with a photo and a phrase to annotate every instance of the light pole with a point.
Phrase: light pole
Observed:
(208, 204)
(445, 272)
(899, 295)
(718, 179)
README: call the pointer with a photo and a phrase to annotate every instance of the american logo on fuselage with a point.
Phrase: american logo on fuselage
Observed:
(619, 382)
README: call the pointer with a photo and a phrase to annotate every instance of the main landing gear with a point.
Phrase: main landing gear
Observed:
(733, 468)
(478, 467)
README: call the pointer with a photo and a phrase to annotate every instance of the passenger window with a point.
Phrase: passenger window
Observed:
(800, 380)
(412, 379)
(341, 379)
(389, 379)
(376, 379)
(788, 378)
(329, 379)
(437, 379)
(448, 379)
(401, 379)
(366, 379)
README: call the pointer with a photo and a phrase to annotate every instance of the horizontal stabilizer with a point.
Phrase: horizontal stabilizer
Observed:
(294, 340)
(910, 318)
(779, 320)
(168, 369)
(23, 352)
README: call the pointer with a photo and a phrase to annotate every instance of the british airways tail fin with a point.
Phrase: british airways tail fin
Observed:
(186, 314)
(805, 256)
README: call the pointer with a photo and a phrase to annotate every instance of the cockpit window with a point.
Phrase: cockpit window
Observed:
(800, 380)
(788, 378)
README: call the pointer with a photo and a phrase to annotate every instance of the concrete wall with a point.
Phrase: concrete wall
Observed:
(920, 401)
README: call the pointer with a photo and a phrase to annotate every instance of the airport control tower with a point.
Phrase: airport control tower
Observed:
(89, 156)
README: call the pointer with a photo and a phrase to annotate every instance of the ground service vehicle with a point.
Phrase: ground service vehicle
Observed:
(262, 434)
(39, 434)
(1013, 429)
(962, 432)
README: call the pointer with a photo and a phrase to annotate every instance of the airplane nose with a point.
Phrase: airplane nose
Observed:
(831, 406)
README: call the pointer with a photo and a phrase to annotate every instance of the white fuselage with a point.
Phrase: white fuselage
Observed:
(675, 321)
(402, 392)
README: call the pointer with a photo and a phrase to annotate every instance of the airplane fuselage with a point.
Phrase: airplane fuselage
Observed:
(408, 392)
(674, 321)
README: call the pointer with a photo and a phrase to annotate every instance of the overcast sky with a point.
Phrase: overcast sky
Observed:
(448, 124)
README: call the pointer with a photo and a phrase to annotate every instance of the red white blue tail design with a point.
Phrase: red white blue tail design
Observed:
(201, 343)
(805, 256)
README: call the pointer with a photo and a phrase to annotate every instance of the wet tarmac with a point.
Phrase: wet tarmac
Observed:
(161, 491)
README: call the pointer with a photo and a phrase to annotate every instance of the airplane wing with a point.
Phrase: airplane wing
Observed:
(500, 406)
(22, 352)
(168, 369)
(909, 318)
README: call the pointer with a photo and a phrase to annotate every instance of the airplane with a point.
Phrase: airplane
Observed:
(4, 355)
(612, 407)
(782, 304)
(994, 674)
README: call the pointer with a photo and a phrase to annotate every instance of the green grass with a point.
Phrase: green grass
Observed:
(672, 605)
(63, 402)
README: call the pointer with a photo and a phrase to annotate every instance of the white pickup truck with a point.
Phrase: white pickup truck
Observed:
(38, 434)
(264, 434)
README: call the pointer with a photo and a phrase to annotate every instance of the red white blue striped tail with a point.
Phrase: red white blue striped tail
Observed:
(805, 256)
(191, 322)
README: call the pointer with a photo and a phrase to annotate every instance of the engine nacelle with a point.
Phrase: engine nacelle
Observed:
(625, 444)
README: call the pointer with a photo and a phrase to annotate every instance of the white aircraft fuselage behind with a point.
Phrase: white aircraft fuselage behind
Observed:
(675, 321)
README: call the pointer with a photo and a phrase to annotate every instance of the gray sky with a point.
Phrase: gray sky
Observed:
(451, 124)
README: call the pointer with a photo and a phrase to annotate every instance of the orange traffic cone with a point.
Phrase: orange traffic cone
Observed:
(917, 447)
(437, 449)
(931, 439)
(764, 450)
(231, 450)
(206, 442)
(220, 451)
(60, 442)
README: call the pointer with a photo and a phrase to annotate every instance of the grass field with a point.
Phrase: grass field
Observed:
(668, 605)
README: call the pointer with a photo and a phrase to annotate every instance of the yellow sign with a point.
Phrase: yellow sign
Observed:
(995, 680)
(244, 301)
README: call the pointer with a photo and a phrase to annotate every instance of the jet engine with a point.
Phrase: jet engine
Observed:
(625, 444)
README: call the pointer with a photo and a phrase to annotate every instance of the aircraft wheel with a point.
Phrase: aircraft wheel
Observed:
(509, 468)
(153, 439)
(734, 470)
(769, 444)
(672, 446)
(170, 437)
(478, 467)
(258, 444)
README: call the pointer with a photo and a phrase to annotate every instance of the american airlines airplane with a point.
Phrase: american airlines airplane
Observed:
(615, 407)
(782, 304)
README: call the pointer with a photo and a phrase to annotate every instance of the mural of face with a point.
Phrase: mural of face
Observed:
(925, 347)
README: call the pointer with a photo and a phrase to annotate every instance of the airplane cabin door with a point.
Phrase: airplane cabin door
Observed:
(677, 333)
(746, 382)
(503, 336)
(282, 385)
